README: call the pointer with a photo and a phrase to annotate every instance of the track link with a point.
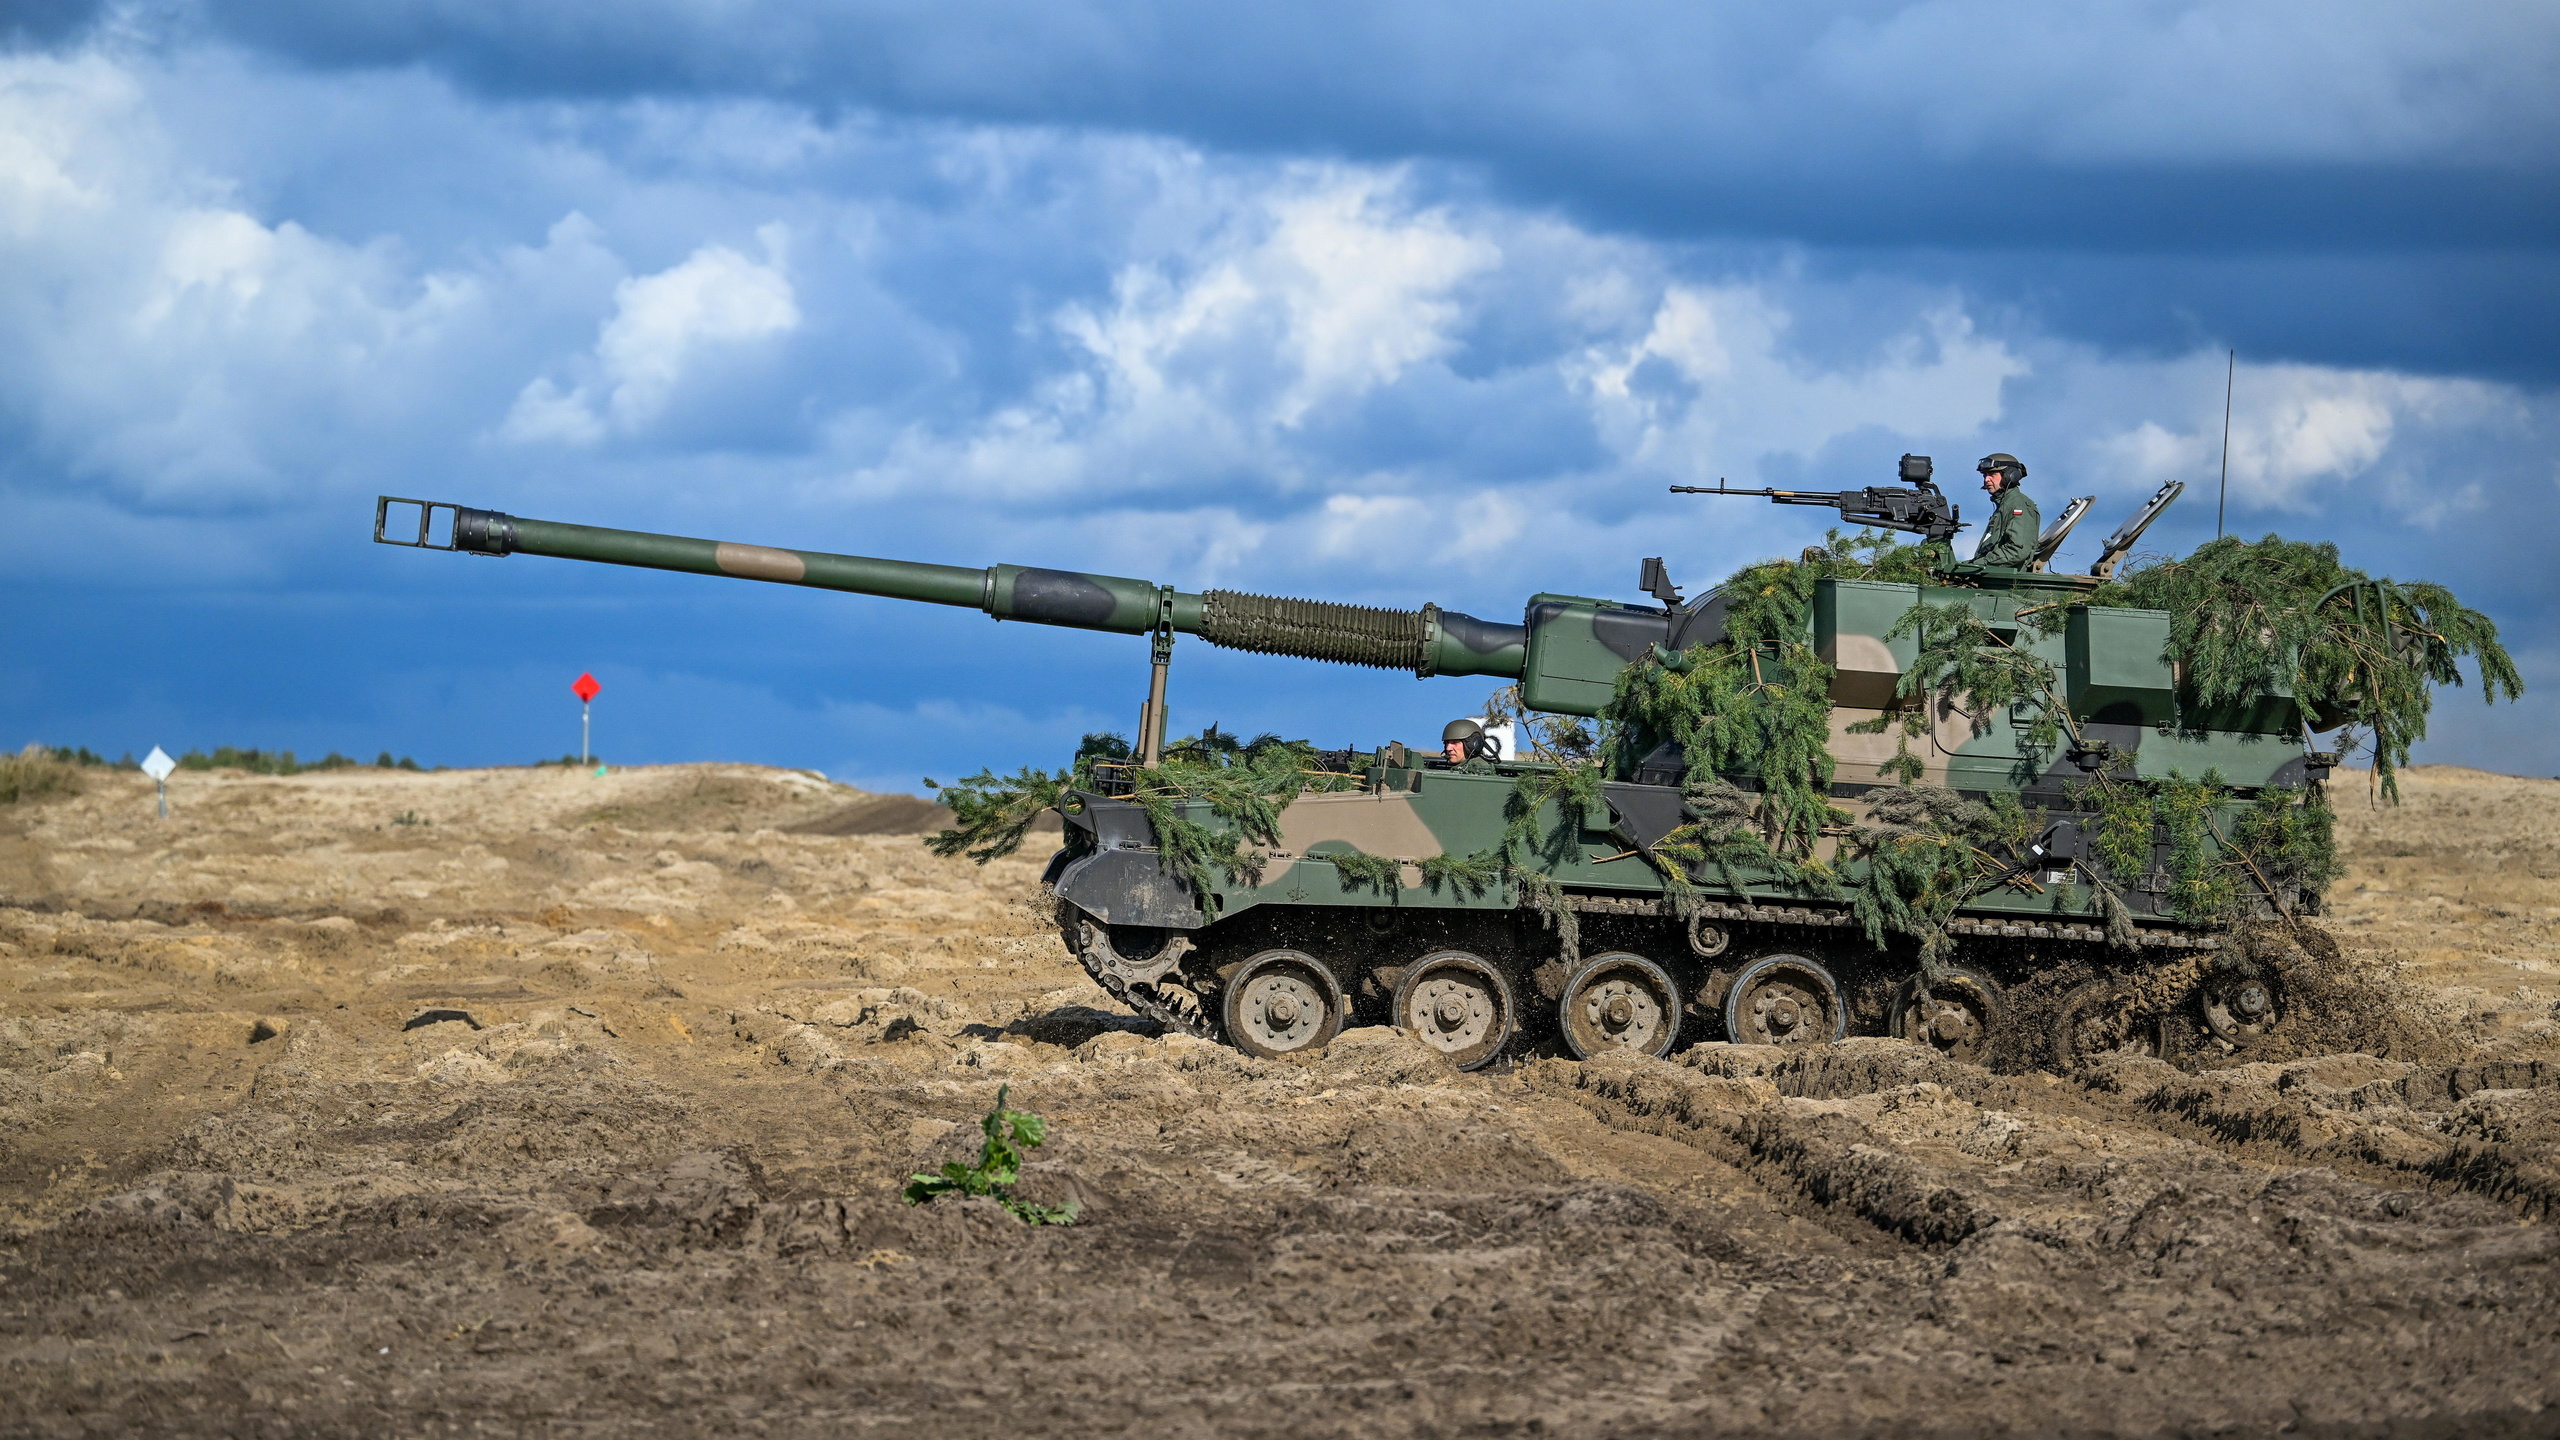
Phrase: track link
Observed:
(1138, 984)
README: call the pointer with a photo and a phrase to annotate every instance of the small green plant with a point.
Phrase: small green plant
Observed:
(409, 817)
(1009, 1133)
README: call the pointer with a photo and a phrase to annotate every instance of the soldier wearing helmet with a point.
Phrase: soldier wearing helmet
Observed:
(2010, 537)
(1466, 746)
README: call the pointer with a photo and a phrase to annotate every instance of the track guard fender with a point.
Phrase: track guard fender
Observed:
(1129, 887)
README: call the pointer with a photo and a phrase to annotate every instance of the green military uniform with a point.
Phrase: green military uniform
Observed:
(2010, 538)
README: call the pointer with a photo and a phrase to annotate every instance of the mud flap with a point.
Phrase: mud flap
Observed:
(1057, 866)
(1128, 887)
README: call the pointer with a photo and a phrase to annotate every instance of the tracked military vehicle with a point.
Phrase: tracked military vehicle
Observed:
(1493, 910)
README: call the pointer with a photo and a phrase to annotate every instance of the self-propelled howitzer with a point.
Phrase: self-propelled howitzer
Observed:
(1492, 907)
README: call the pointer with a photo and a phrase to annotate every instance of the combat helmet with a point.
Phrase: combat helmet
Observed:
(1468, 731)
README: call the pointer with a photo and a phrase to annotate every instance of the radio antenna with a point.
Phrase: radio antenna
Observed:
(2231, 368)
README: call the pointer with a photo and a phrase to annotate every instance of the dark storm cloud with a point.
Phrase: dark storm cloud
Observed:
(2133, 173)
(2124, 124)
(2486, 312)
(46, 22)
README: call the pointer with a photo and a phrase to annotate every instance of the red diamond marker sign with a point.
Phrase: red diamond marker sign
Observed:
(586, 687)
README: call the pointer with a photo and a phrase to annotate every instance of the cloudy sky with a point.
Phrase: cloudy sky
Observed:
(1388, 302)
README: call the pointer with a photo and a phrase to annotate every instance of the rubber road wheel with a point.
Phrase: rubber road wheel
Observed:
(2093, 1024)
(1957, 1019)
(1282, 1003)
(1785, 1000)
(1460, 1005)
(2240, 1008)
(1619, 1003)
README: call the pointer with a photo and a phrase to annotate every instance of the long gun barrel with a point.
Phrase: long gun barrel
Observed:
(1915, 507)
(1429, 641)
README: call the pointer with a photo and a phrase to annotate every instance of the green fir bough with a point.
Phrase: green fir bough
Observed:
(2248, 617)
(1246, 783)
(1009, 1135)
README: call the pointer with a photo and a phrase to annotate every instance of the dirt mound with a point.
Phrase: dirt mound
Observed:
(880, 815)
(727, 798)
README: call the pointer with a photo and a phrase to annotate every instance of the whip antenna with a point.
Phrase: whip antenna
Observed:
(2231, 367)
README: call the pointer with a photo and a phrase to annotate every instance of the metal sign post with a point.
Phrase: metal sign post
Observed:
(157, 765)
(585, 688)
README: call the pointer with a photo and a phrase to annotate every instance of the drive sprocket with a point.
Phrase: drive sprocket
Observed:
(1148, 984)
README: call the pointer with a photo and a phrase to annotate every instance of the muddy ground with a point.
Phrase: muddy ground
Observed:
(533, 1103)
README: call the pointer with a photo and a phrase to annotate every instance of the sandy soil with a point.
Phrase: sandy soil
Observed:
(528, 1102)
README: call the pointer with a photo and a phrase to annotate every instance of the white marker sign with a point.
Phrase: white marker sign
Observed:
(157, 765)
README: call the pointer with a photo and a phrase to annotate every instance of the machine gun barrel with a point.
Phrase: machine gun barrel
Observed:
(1918, 509)
(1429, 641)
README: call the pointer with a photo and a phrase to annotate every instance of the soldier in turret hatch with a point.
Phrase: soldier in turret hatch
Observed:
(2010, 537)
(1465, 744)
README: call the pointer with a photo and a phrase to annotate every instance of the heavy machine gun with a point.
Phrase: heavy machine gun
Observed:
(1916, 506)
